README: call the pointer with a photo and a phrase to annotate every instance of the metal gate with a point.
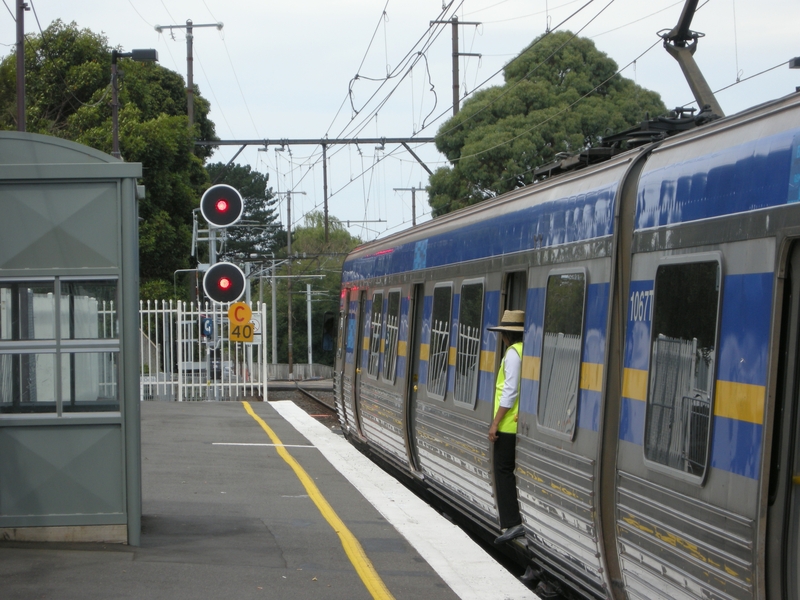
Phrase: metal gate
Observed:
(186, 353)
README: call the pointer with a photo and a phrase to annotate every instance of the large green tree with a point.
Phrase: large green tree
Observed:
(560, 95)
(259, 229)
(68, 94)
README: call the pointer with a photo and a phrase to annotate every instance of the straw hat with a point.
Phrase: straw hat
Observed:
(513, 320)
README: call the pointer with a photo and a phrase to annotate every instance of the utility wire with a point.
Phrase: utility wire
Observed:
(13, 16)
(45, 51)
(534, 69)
(363, 59)
(133, 6)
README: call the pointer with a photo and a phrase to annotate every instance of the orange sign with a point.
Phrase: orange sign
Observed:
(240, 313)
(241, 329)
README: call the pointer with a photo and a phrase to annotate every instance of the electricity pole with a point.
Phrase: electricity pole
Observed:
(189, 27)
(413, 191)
(289, 279)
(455, 22)
(22, 6)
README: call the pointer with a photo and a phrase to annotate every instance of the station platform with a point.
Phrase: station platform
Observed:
(260, 500)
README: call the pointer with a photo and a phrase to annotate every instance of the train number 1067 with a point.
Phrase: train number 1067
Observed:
(642, 306)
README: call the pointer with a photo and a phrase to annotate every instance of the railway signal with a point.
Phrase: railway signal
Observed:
(224, 282)
(221, 205)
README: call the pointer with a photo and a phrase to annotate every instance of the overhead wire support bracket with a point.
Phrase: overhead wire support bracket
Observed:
(455, 23)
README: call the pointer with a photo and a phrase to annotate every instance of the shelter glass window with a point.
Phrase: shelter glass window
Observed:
(28, 382)
(469, 343)
(376, 320)
(391, 334)
(59, 345)
(27, 310)
(90, 381)
(682, 363)
(89, 310)
(561, 353)
(439, 349)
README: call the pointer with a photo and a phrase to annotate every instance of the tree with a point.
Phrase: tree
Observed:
(561, 95)
(257, 232)
(68, 95)
(318, 257)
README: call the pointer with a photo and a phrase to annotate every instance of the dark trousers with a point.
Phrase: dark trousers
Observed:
(504, 479)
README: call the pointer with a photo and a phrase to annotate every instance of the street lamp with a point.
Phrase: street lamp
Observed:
(149, 55)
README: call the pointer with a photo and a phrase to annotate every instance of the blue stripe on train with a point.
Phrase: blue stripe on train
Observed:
(402, 335)
(745, 329)
(736, 446)
(491, 316)
(741, 178)
(589, 215)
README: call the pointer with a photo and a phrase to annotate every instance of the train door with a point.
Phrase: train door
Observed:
(361, 359)
(415, 319)
(783, 524)
(353, 361)
(514, 297)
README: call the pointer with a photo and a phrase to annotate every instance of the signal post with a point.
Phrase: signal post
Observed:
(224, 282)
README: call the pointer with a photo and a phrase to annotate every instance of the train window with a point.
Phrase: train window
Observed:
(390, 336)
(682, 358)
(561, 352)
(375, 323)
(516, 290)
(468, 347)
(439, 349)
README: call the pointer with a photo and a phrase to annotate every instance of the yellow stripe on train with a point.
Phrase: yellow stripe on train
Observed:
(592, 377)
(740, 401)
(634, 384)
(531, 367)
(737, 401)
(424, 351)
(487, 361)
(402, 348)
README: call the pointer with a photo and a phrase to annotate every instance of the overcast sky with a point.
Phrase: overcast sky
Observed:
(287, 70)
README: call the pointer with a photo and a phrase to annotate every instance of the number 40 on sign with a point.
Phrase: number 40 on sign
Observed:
(241, 329)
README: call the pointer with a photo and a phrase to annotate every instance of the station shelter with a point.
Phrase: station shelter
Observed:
(70, 453)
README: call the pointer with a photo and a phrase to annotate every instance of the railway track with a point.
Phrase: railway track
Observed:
(316, 402)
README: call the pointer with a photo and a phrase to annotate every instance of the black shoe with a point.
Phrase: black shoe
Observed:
(531, 576)
(510, 534)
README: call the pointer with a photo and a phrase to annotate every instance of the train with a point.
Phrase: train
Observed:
(658, 443)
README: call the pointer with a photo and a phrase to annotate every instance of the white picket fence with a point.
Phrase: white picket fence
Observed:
(186, 353)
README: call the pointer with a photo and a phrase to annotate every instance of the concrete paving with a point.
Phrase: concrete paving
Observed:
(224, 516)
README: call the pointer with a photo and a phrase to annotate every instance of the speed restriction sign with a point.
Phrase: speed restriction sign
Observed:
(241, 329)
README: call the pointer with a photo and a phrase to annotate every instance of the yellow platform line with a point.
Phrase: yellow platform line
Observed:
(363, 566)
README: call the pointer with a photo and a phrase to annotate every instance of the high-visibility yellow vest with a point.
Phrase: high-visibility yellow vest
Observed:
(508, 424)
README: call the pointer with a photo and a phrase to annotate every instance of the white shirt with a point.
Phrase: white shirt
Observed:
(512, 364)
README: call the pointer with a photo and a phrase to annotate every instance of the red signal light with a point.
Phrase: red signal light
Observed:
(224, 283)
(221, 205)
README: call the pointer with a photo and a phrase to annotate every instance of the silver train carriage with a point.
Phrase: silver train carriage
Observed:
(658, 446)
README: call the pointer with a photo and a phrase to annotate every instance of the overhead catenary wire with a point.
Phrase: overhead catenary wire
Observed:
(386, 99)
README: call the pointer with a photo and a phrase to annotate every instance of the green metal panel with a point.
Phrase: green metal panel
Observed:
(70, 210)
(58, 225)
(61, 470)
